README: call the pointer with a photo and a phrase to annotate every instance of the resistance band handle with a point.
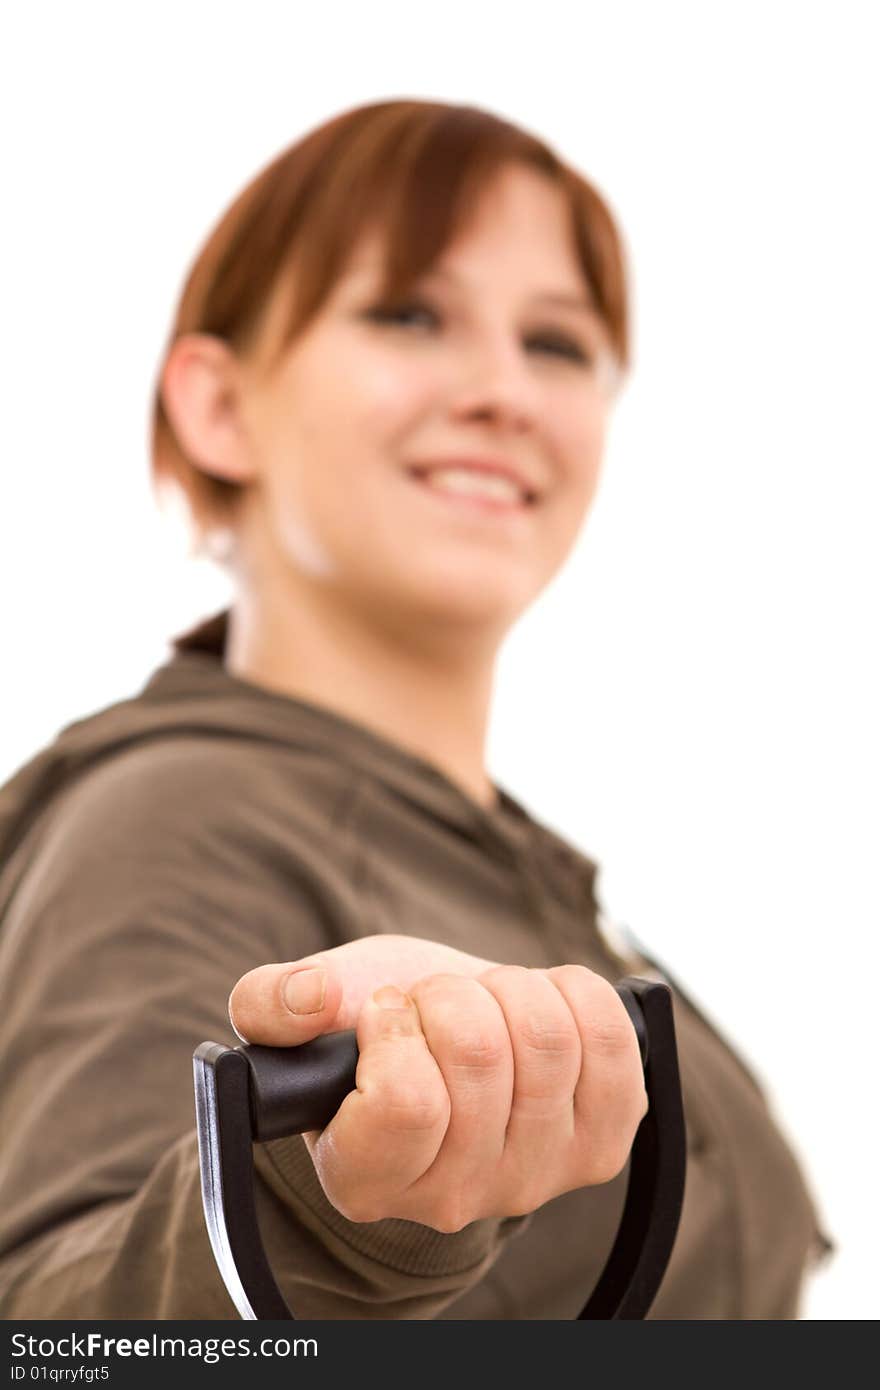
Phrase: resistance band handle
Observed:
(295, 1089)
(252, 1094)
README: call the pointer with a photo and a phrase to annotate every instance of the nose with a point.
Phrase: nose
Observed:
(494, 384)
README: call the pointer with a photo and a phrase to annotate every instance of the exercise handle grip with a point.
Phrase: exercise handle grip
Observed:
(254, 1094)
(296, 1089)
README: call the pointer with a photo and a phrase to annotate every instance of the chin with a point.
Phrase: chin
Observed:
(473, 602)
(450, 589)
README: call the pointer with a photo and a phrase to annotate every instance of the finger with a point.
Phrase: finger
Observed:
(547, 1051)
(467, 1035)
(545, 1041)
(286, 1004)
(610, 1098)
(387, 1132)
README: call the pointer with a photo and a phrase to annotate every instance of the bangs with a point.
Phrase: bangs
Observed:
(414, 184)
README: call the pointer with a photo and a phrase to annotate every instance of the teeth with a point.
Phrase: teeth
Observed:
(473, 484)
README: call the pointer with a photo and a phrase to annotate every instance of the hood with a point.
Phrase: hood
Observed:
(193, 692)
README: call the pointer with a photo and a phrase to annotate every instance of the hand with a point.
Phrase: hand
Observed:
(482, 1089)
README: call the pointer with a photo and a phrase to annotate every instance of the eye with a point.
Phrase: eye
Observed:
(411, 311)
(565, 347)
(401, 313)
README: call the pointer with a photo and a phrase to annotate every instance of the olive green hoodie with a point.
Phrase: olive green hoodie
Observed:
(163, 846)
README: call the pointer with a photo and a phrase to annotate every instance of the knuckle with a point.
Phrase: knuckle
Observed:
(450, 1216)
(500, 973)
(528, 1195)
(397, 1023)
(407, 1105)
(609, 1135)
(472, 1026)
(440, 984)
(543, 1025)
(608, 1034)
(476, 1047)
(551, 1037)
(608, 1161)
(578, 975)
(358, 1207)
(607, 1024)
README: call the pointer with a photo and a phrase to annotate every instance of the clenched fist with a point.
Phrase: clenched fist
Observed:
(482, 1089)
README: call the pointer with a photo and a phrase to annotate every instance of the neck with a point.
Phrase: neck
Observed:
(430, 698)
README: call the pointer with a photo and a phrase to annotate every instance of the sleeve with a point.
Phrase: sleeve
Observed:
(149, 892)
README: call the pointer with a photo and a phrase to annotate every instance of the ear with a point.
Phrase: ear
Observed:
(201, 386)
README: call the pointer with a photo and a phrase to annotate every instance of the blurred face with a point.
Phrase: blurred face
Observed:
(432, 460)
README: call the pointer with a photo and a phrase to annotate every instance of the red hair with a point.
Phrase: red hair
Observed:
(412, 167)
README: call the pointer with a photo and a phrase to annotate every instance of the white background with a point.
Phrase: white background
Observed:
(694, 700)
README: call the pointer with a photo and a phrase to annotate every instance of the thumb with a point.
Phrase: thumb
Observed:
(285, 1004)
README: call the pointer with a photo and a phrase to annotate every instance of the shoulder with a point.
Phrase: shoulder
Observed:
(201, 786)
(201, 827)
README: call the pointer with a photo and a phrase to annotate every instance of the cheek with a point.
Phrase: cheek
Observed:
(582, 446)
(332, 456)
(369, 400)
(383, 410)
(578, 451)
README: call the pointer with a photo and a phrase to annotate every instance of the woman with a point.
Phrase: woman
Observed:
(384, 397)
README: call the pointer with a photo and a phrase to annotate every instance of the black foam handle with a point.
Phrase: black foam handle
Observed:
(295, 1089)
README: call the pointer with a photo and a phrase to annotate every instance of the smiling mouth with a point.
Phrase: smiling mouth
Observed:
(474, 491)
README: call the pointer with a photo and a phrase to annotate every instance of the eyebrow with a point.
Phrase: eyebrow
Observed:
(561, 299)
(569, 301)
